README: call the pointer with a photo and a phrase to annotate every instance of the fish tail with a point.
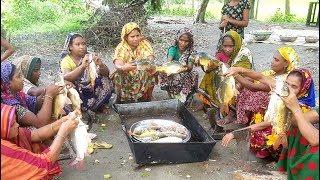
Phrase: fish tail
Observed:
(77, 164)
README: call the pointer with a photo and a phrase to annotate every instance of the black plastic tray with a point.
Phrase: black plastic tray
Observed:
(197, 149)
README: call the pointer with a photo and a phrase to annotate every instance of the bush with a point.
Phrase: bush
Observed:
(280, 17)
(41, 16)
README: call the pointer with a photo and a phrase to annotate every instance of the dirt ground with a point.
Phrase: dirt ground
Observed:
(117, 161)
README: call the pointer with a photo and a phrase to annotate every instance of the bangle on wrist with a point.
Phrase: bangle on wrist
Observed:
(49, 97)
(295, 111)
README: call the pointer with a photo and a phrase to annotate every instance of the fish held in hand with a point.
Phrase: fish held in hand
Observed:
(171, 68)
(80, 140)
(226, 86)
(60, 100)
(74, 96)
(277, 112)
(207, 63)
(92, 71)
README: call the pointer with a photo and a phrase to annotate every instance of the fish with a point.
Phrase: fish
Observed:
(60, 100)
(207, 63)
(144, 64)
(168, 140)
(92, 71)
(171, 68)
(80, 140)
(74, 96)
(277, 112)
(226, 86)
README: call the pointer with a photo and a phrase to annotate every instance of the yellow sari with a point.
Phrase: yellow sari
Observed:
(135, 85)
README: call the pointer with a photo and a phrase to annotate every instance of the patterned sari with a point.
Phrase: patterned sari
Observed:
(93, 99)
(21, 158)
(23, 103)
(184, 84)
(251, 106)
(240, 57)
(301, 160)
(135, 85)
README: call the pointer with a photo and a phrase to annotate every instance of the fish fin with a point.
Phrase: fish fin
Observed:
(78, 164)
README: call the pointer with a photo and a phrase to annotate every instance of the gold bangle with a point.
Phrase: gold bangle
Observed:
(49, 97)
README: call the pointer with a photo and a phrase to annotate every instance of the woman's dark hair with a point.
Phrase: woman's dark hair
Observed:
(297, 74)
(68, 42)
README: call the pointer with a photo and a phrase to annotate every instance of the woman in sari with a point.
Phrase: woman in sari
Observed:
(131, 84)
(184, 84)
(23, 156)
(301, 84)
(74, 65)
(30, 70)
(254, 96)
(232, 52)
(28, 113)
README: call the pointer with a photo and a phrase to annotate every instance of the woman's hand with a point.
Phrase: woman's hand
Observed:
(291, 101)
(226, 139)
(53, 90)
(97, 59)
(129, 66)
(69, 84)
(233, 71)
(69, 124)
(85, 61)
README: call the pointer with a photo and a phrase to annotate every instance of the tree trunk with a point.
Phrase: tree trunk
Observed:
(287, 10)
(257, 8)
(201, 12)
(251, 14)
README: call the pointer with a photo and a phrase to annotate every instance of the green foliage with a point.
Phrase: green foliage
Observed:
(43, 15)
(280, 17)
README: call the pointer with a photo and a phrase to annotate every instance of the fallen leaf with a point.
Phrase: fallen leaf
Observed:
(107, 176)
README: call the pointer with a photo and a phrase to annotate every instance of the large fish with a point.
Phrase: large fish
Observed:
(74, 96)
(171, 68)
(207, 63)
(92, 71)
(226, 86)
(80, 140)
(60, 100)
(277, 112)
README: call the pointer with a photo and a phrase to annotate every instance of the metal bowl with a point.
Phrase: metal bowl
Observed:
(311, 39)
(261, 35)
(144, 124)
(288, 38)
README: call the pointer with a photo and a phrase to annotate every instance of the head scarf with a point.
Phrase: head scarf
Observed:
(67, 42)
(307, 92)
(290, 55)
(182, 32)
(124, 52)
(27, 65)
(127, 29)
(7, 120)
(7, 72)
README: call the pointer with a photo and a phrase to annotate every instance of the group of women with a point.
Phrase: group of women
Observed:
(26, 108)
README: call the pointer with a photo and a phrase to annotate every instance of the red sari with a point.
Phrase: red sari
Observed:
(21, 158)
